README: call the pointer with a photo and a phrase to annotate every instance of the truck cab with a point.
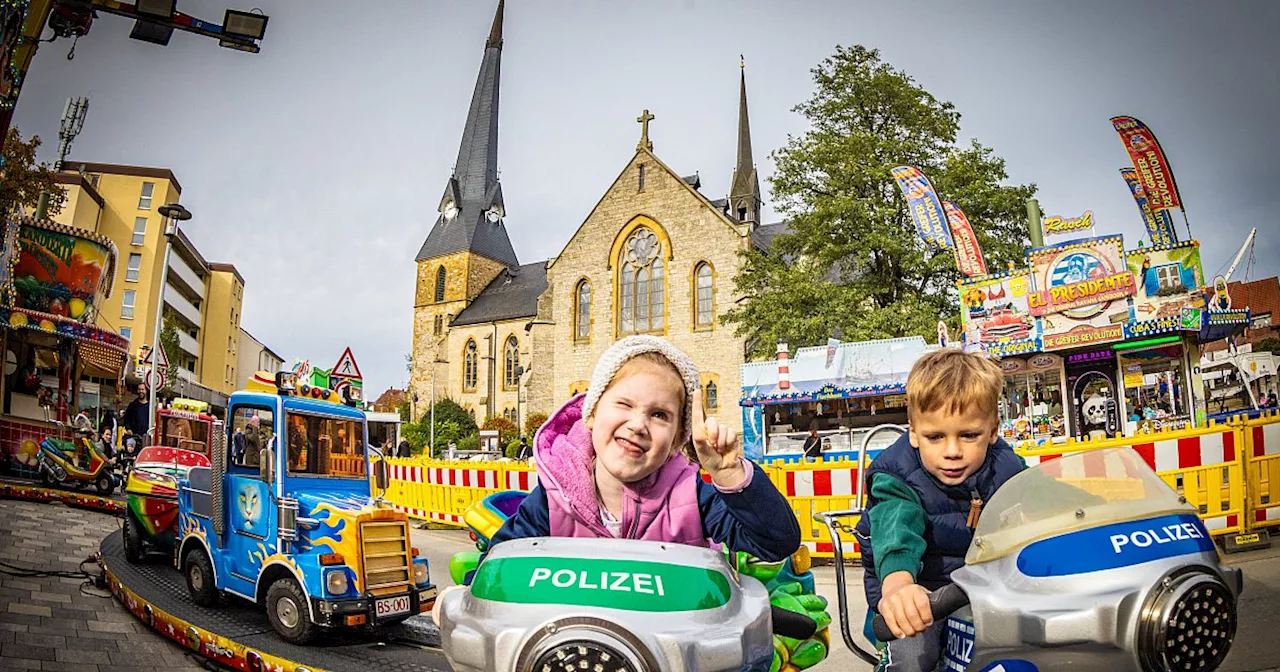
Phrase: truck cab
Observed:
(284, 516)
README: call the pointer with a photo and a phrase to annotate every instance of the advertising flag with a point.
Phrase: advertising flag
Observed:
(1149, 163)
(968, 253)
(1159, 222)
(925, 208)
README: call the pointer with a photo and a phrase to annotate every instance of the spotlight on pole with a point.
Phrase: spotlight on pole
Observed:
(247, 25)
(159, 9)
(148, 31)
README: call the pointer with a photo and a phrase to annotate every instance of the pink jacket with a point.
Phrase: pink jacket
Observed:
(662, 507)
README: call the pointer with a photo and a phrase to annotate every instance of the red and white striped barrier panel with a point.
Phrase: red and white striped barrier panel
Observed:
(480, 479)
(1266, 444)
(1161, 455)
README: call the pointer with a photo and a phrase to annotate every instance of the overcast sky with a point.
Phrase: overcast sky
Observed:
(316, 166)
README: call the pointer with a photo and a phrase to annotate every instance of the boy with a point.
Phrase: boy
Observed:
(926, 491)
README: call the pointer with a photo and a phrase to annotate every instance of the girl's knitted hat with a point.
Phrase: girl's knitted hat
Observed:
(622, 351)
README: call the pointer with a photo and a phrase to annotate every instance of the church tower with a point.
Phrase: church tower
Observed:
(468, 244)
(744, 194)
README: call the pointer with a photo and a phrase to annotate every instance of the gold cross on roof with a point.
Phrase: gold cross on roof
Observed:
(644, 120)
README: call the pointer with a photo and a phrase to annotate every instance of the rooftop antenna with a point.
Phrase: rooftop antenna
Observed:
(72, 122)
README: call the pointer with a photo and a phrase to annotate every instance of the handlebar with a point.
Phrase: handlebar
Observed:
(793, 625)
(942, 602)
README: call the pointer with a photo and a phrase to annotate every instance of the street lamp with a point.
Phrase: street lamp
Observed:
(173, 214)
(433, 400)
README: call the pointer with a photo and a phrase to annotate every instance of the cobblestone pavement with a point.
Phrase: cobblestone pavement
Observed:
(48, 623)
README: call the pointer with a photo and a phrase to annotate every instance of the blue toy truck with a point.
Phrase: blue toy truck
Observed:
(284, 516)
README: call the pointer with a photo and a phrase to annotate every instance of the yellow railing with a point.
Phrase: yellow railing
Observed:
(1228, 471)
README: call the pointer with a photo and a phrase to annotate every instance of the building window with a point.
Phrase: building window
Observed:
(439, 324)
(641, 308)
(135, 265)
(582, 312)
(1262, 321)
(641, 178)
(140, 231)
(469, 365)
(704, 296)
(94, 178)
(510, 413)
(511, 364)
(440, 277)
(1169, 277)
(127, 332)
(127, 303)
(228, 344)
(144, 201)
(712, 396)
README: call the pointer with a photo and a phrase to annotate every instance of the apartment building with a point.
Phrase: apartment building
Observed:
(204, 297)
(255, 356)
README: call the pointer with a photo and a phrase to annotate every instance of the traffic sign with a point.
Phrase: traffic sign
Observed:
(164, 356)
(346, 367)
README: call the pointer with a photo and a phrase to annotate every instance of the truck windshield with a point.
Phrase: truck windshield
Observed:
(185, 432)
(325, 446)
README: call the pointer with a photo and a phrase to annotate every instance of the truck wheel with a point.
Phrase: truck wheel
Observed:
(199, 572)
(132, 540)
(104, 484)
(287, 609)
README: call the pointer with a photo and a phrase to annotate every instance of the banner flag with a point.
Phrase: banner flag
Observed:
(1159, 222)
(1149, 162)
(924, 206)
(968, 251)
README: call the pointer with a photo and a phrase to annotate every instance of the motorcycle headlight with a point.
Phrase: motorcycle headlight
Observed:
(586, 655)
(1187, 623)
(336, 582)
(420, 575)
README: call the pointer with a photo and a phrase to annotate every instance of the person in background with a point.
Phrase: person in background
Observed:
(137, 415)
(404, 449)
(812, 444)
(525, 452)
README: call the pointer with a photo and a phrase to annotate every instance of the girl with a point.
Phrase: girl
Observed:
(617, 463)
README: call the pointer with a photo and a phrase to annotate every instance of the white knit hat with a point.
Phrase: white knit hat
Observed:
(622, 351)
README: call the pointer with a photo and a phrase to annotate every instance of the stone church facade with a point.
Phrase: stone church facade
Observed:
(653, 256)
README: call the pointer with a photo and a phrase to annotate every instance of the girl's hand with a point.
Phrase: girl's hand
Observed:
(717, 446)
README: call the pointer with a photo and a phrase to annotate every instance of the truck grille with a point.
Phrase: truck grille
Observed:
(385, 550)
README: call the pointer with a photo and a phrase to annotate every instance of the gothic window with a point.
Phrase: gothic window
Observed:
(440, 276)
(511, 363)
(439, 324)
(712, 396)
(641, 178)
(582, 312)
(704, 296)
(641, 308)
(469, 365)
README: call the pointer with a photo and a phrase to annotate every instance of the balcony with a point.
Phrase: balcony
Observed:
(185, 374)
(188, 344)
(182, 306)
(182, 274)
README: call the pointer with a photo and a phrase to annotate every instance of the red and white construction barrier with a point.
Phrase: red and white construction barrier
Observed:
(1266, 443)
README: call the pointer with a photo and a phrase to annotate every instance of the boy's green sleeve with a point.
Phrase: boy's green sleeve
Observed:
(897, 526)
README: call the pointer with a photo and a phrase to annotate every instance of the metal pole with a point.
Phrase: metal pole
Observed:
(155, 336)
(432, 447)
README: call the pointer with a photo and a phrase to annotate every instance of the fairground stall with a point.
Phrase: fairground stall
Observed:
(1097, 341)
(842, 390)
(53, 278)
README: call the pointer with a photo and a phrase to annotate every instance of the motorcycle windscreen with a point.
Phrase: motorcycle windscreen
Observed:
(1077, 491)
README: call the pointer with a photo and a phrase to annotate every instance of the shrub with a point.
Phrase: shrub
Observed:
(533, 423)
(506, 429)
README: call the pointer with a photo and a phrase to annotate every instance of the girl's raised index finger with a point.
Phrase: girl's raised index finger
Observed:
(699, 416)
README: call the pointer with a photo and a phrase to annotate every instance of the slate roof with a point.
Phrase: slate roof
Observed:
(511, 295)
(763, 235)
(474, 186)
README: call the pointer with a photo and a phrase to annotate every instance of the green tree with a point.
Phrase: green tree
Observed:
(507, 430)
(533, 423)
(448, 410)
(1270, 344)
(851, 264)
(22, 179)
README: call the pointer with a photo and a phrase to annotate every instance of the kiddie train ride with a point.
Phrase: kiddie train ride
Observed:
(251, 542)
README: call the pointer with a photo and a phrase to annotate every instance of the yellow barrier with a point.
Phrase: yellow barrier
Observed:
(1228, 471)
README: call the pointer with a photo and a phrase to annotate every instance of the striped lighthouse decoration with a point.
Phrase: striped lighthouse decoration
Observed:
(784, 371)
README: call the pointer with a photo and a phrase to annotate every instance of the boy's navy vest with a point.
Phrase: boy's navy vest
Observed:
(946, 533)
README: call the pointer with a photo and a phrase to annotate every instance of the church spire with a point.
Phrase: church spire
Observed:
(471, 209)
(744, 195)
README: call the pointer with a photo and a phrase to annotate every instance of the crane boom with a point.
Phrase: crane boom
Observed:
(1240, 255)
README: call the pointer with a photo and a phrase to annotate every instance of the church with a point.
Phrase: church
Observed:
(654, 256)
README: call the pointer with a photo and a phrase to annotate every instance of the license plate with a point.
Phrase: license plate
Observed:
(391, 606)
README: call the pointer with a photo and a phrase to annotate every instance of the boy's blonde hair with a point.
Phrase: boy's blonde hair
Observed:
(954, 381)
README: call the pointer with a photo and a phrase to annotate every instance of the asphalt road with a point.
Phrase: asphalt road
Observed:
(1257, 646)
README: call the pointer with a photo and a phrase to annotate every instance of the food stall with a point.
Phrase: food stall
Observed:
(53, 279)
(843, 390)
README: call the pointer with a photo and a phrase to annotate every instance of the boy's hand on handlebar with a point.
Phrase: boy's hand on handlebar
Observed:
(717, 446)
(906, 610)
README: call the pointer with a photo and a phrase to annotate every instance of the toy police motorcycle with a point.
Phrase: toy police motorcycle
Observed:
(78, 462)
(625, 605)
(1105, 568)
